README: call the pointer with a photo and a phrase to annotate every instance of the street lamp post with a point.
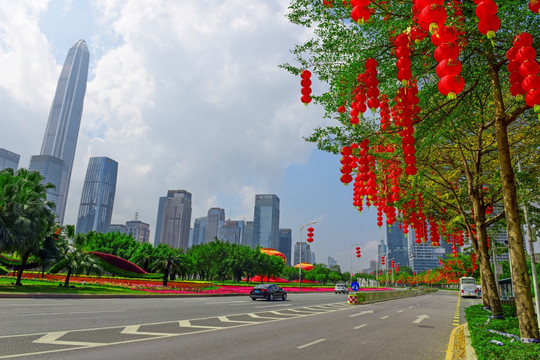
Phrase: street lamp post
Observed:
(300, 255)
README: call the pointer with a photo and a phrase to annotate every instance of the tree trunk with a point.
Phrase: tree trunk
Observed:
(528, 325)
(20, 272)
(489, 287)
(165, 275)
(66, 283)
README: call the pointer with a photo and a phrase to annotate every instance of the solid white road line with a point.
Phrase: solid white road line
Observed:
(360, 326)
(311, 343)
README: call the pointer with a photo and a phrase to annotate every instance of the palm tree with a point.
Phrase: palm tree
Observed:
(170, 262)
(70, 245)
(26, 216)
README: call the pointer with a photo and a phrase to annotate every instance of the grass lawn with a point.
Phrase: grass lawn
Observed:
(7, 285)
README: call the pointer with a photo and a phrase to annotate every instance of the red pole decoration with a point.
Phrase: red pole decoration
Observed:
(306, 86)
(358, 253)
(534, 6)
(382, 260)
(310, 235)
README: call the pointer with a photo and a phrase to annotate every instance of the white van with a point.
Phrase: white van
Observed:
(467, 287)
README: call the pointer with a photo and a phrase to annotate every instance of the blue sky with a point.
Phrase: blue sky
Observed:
(184, 95)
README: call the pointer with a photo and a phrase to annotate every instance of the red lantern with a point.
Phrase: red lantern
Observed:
(534, 6)
(382, 260)
(486, 11)
(432, 17)
(451, 85)
(306, 89)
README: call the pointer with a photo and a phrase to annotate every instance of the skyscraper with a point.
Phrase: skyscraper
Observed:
(8, 159)
(248, 235)
(139, 230)
(285, 244)
(199, 228)
(97, 199)
(398, 249)
(215, 215)
(231, 231)
(62, 130)
(266, 221)
(176, 219)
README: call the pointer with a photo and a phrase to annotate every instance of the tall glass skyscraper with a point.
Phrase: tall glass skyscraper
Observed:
(64, 121)
(285, 243)
(398, 248)
(97, 199)
(266, 221)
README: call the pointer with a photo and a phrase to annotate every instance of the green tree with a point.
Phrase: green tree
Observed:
(337, 54)
(170, 262)
(77, 261)
(26, 216)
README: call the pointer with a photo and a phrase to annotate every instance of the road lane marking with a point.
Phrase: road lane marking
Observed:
(227, 320)
(420, 318)
(455, 321)
(187, 323)
(400, 311)
(360, 326)
(362, 313)
(384, 317)
(255, 316)
(134, 330)
(52, 338)
(311, 343)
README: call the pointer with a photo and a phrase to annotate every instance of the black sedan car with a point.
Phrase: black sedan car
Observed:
(268, 292)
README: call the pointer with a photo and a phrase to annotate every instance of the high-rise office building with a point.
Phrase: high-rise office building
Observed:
(398, 248)
(139, 230)
(423, 256)
(305, 255)
(62, 130)
(176, 219)
(248, 235)
(52, 170)
(121, 228)
(285, 244)
(231, 231)
(331, 262)
(266, 221)
(199, 228)
(159, 220)
(97, 199)
(215, 215)
(9, 159)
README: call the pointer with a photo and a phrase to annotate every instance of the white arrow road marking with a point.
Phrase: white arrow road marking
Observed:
(362, 313)
(51, 338)
(420, 318)
(311, 343)
(134, 330)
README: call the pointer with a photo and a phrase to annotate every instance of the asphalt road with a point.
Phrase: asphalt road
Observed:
(306, 326)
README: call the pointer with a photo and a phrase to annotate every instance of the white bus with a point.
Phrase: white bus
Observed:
(467, 287)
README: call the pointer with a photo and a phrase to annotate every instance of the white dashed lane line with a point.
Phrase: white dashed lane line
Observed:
(310, 344)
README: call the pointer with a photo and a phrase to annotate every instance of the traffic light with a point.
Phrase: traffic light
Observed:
(310, 235)
(382, 260)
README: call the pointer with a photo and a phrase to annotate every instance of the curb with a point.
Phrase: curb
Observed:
(459, 346)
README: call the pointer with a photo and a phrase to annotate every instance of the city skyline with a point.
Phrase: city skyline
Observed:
(225, 124)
